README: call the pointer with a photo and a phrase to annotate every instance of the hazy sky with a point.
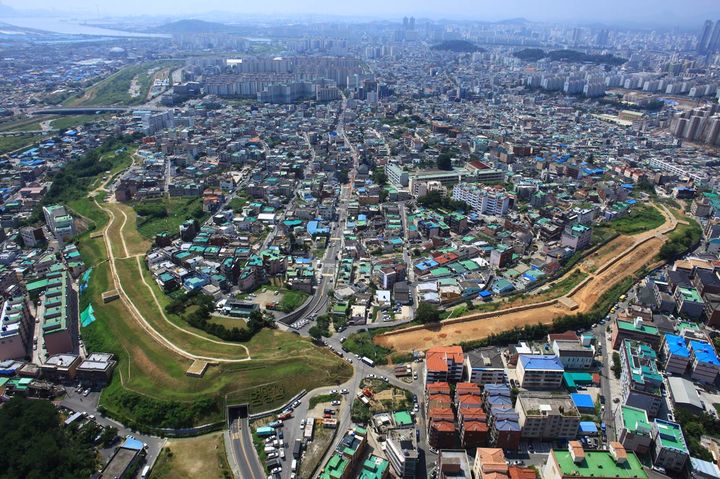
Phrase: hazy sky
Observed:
(636, 11)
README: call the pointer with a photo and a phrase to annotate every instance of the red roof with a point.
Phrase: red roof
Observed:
(522, 473)
(441, 387)
(436, 359)
(475, 426)
(467, 388)
(443, 426)
(441, 414)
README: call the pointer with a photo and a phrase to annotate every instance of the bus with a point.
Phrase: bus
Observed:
(368, 361)
(145, 472)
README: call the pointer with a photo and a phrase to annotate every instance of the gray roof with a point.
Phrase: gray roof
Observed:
(684, 392)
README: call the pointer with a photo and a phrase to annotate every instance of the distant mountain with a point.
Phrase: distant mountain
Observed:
(457, 46)
(513, 21)
(195, 26)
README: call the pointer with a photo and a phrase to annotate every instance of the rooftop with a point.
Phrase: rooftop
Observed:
(599, 464)
(670, 435)
(542, 362)
(635, 420)
(676, 345)
(704, 353)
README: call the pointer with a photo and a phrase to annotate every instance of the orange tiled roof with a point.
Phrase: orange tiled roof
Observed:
(436, 359)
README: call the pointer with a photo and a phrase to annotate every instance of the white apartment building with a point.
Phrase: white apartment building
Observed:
(484, 200)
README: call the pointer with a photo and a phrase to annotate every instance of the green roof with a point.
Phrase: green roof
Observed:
(374, 468)
(690, 294)
(643, 328)
(635, 420)
(335, 467)
(599, 464)
(671, 436)
(402, 418)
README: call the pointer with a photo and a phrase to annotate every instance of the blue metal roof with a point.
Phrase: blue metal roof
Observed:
(676, 346)
(588, 427)
(544, 362)
(132, 443)
(582, 401)
(704, 352)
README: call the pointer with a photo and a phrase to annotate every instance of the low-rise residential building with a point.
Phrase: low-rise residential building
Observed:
(489, 463)
(17, 326)
(96, 369)
(547, 416)
(374, 467)
(705, 364)
(669, 448)
(640, 379)
(402, 452)
(688, 301)
(539, 371)
(347, 455)
(572, 354)
(636, 330)
(576, 236)
(485, 366)
(59, 221)
(633, 429)
(453, 464)
(576, 463)
(677, 354)
(444, 364)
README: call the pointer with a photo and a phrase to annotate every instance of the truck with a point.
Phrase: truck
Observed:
(368, 361)
(145, 472)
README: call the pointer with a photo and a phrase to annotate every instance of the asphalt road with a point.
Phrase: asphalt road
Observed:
(243, 450)
(77, 403)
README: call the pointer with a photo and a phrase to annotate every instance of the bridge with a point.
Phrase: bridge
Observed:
(28, 132)
(90, 110)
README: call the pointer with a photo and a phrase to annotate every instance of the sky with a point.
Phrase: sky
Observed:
(667, 12)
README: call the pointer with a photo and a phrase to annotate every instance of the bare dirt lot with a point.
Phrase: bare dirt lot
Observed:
(627, 262)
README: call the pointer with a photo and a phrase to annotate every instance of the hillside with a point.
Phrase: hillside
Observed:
(567, 56)
(457, 46)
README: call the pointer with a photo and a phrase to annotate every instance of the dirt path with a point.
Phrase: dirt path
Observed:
(137, 315)
(628, 256)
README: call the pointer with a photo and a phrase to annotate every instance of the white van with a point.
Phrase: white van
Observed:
(293, 465)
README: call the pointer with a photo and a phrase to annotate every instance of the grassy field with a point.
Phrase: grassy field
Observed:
(282, 364)
(292, 300)
(12, 143)
(167, 214)
(115, 89)
(25, 123)
(640, 219)
(73, 121)
(202, 456)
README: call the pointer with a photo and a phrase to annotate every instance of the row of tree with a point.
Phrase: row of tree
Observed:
(199, 315)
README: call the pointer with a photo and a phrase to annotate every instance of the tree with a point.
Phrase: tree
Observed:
(36, 446)
(427, 313)
(342, 176)
(379, 176)
(444, 161)
(315, 332)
